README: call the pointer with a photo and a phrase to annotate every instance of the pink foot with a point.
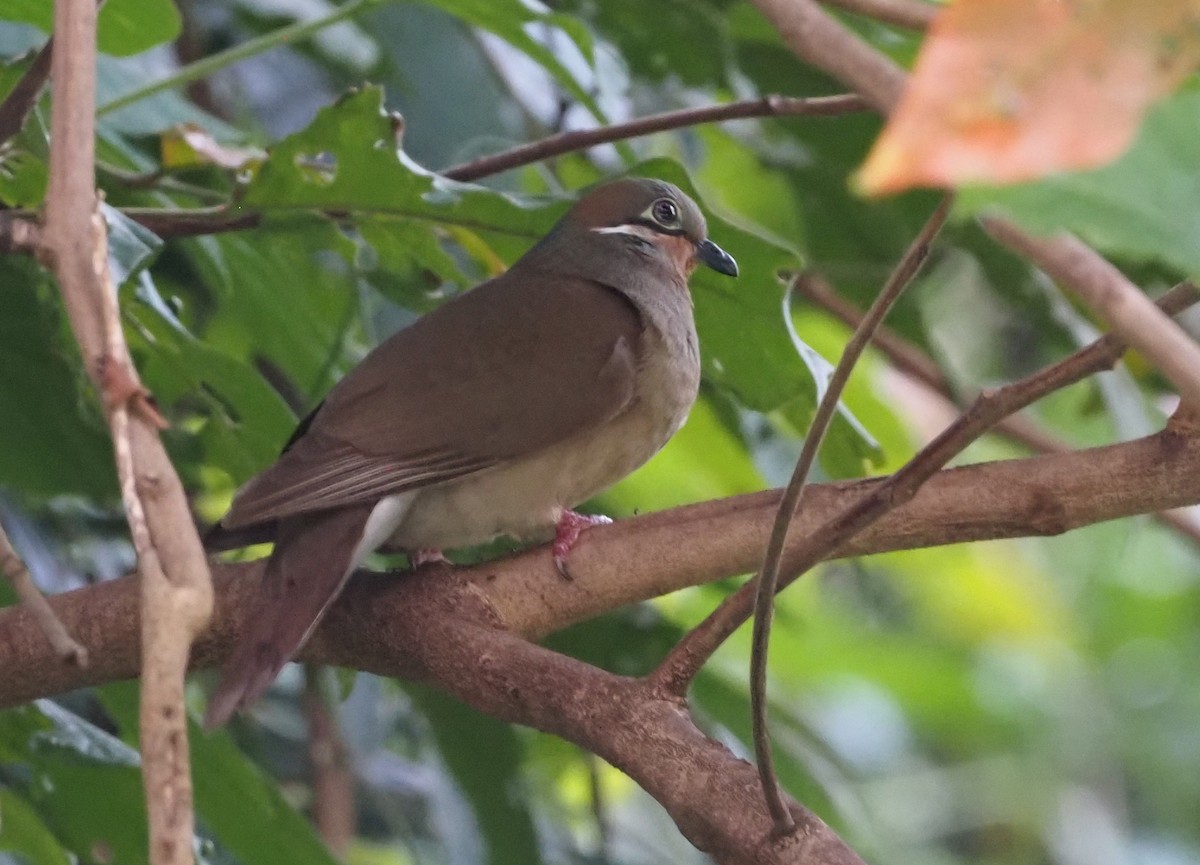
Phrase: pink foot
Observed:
(417, 558)
(566, 533)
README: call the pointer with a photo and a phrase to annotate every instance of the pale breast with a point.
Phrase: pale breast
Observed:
(524, 498)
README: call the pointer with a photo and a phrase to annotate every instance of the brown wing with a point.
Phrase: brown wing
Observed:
(514, 366)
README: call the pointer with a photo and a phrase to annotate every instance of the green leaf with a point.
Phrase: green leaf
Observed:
(285, 294)
(484, 755)
(513, 20)
(234, 800)
(247, 420)
(1144, 205)
(23, 832)
(84, 784)
(659, 40)
(412, 267)
(131, 246)
(52, 437)
(23, 178)
(347, 160)
(125, 26)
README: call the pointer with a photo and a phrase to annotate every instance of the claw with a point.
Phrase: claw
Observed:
(566, 533)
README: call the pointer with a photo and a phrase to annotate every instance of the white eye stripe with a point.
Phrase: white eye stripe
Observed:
(634, 229)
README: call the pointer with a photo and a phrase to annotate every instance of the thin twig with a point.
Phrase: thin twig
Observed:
(194, 223)
(793, 494)
(689, 654)
(1126, 308)
(56, 632)
(911, 14)
(21, 100)
(582, 139)
(920, 367)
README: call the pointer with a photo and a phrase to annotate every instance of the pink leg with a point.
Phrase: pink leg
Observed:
(566, 533)
(417, 558)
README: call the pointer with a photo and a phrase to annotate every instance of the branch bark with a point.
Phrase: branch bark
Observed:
(176, 592)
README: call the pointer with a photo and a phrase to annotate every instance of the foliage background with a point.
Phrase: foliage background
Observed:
(1012, 702)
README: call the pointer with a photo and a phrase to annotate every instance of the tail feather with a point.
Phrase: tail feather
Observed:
(313, 557)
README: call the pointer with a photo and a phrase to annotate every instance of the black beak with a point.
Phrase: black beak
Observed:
(718, 259)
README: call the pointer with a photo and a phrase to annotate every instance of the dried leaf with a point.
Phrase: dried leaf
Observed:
(1009, 90)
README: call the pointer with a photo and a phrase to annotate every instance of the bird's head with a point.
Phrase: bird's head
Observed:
(651, 218)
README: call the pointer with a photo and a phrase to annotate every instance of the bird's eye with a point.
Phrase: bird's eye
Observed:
(665, 212)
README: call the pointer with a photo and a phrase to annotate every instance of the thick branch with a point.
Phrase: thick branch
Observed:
(645, 557)
(447, 629)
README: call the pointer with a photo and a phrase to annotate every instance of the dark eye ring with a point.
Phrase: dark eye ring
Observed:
(665, 212)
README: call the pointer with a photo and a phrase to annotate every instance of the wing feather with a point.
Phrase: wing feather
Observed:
(516, 365)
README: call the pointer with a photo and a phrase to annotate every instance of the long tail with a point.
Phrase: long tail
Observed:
(313, 557)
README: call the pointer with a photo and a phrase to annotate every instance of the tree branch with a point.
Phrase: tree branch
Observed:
(914, 363)
(765, 584)
(816, 38)
(1124, 306)
(17, 574)
(175, 605)
(570, 142)
(462, 631)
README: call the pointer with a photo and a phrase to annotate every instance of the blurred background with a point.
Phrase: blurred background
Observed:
(1007, 703)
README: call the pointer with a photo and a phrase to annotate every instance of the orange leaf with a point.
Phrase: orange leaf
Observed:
(1009, 90)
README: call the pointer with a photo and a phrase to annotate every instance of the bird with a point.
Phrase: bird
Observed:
(493, 415)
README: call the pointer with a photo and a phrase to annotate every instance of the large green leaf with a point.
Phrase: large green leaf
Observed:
(247, 420)
(125, 26)
(285, 294)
